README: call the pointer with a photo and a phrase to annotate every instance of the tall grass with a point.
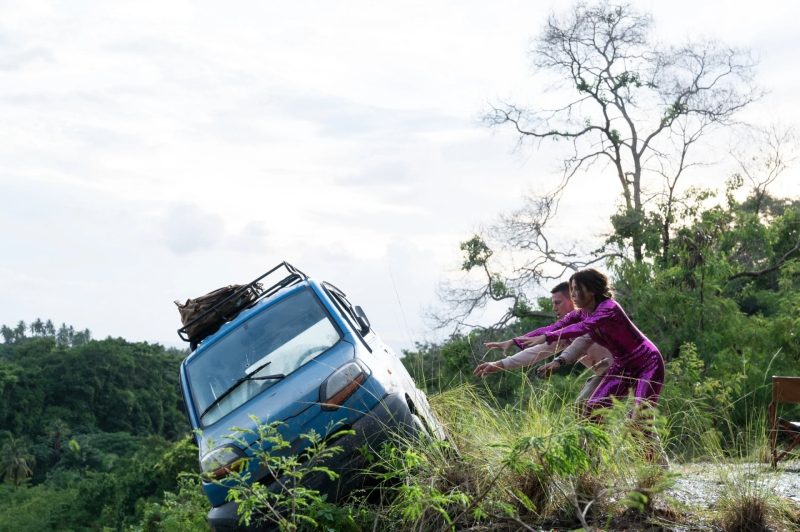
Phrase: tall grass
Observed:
(748, 500)
(529, 465)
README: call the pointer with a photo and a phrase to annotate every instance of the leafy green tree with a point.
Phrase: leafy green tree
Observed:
(15, 461)
(57, 431)
(19, 331)
(9, 378)
(37, 327)
(82, 457)
(64, 335)
(7, 333)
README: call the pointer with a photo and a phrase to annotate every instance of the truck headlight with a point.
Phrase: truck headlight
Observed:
(342, 384)
(222, 461)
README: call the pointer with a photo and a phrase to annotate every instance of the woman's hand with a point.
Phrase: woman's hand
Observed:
(505, 346)
(487, 368)
(530, 341)
(546, 369)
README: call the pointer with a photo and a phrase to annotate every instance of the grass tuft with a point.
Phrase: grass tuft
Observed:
(748, 513)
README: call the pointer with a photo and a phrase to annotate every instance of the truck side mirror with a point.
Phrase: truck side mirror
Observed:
(361, 318)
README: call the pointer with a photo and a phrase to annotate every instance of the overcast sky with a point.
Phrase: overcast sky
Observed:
(153, 151)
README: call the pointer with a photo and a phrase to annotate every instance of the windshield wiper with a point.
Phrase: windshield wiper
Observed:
(240, 380)
(277, 377)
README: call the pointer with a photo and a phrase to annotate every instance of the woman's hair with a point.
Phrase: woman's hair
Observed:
(593, 281)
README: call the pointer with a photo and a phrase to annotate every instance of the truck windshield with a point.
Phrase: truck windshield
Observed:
(269, 346)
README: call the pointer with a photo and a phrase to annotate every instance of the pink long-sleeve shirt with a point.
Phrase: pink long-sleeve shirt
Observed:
(540, 331)
(607, 325)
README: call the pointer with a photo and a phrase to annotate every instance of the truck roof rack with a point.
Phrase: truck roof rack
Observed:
(256, 288)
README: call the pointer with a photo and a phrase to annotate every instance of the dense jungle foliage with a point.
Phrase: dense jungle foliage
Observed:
(91, 432)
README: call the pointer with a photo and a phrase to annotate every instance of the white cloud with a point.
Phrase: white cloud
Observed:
(151, 151)
(187, 229)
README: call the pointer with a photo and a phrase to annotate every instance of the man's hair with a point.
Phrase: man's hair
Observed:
(593, 281)
(561, 287)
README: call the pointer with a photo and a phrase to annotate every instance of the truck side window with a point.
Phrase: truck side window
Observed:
(344, 306)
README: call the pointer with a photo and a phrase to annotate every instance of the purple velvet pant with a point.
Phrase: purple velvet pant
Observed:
(642, 372)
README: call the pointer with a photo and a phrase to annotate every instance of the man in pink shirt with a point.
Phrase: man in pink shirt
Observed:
(590, 354)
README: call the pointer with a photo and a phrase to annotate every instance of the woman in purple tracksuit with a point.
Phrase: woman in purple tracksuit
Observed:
(637, 363)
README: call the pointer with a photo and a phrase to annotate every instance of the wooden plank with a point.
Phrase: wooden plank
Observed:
(786, 389)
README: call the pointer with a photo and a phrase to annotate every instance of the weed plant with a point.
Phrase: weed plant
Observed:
(287, 502)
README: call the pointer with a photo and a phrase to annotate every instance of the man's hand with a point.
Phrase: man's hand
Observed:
(546, 369)
(487, 368)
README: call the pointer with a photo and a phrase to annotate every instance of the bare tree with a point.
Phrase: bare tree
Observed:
(464, 299)
(776, 149)
(630, 106)
(633, 104)
(767, 155)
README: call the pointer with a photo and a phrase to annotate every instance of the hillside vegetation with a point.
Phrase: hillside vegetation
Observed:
(90, 431)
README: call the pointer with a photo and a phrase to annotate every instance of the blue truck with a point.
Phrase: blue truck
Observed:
(300, 354)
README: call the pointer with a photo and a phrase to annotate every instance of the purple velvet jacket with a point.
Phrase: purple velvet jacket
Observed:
(609, 326)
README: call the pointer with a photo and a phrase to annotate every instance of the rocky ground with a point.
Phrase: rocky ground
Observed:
(701, 483)
(698, 486)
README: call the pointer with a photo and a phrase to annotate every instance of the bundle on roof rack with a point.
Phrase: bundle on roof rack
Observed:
(204, 315)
